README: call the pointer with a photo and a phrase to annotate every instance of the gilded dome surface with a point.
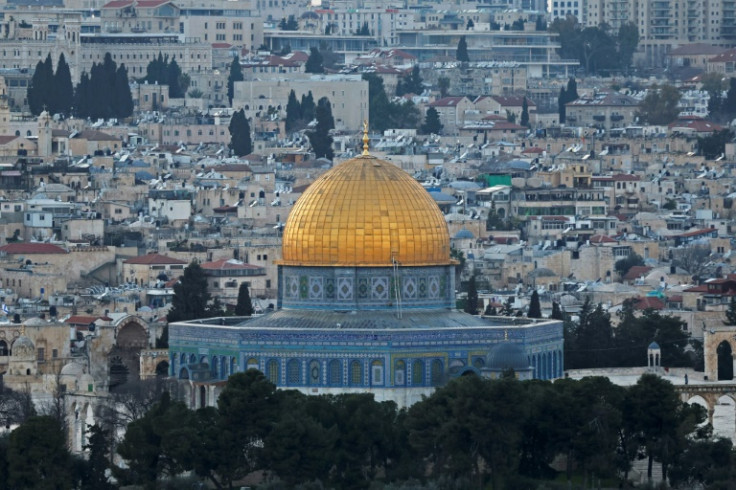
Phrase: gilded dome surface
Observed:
(366, 212)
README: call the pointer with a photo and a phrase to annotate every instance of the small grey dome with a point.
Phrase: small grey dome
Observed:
(507, 355)
(464, 233)
(23, 347)
(653, 346)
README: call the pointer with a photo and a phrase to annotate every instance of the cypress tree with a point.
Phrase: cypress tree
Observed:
(462, 50)
(236, 75)
(244, 306)
(240, 141)
(63, 89)
(40, 91)
(561, 101)
(471, 305)
(524, 113)
(307, 107)
(124, 102)
(535, 309)
(174, 79)
(293, 112)
(81, 96)
(320, 138)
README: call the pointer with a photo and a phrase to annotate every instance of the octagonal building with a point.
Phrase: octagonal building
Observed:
(365, 302)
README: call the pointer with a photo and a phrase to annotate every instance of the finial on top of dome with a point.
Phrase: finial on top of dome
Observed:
(366, 139)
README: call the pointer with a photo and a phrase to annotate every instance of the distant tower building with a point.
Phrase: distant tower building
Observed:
(44, 134)
(654, 357)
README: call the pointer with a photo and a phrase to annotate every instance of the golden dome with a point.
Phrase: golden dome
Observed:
(366, 212)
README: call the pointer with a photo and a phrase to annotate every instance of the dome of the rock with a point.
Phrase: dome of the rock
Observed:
(366, 212)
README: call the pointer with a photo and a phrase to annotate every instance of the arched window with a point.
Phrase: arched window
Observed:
(400, 373)
(272, 371)
(223, 367)
(314, 375)
(436, 372)
(377, 372)
(356, 373)
(293, 372)
(213, 367)
(3, 348)
(192, 358)
(334, 373)
(183, 359)
(233, 365)
(417, 373)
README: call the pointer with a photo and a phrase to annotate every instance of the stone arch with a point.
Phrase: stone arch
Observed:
(4, 348)
(724, 353)
(469, 371)
(131, 336)
(724, 415)
(713, 337)
(162, 369)
(184, 373)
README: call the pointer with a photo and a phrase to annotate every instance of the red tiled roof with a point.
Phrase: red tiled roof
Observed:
(153, 259)
(601, 239)
(221, 46)
(648, 302)
(533, 149)
(696, 49)
(150, 3)
(81, 320)
(729, 55)
(116, 4)
(32, 248)
(636, 271)
(626, 178)
(696, 233)
(698, 125)
(4, 140)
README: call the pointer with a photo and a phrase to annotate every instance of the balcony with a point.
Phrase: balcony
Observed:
(617, 117)
(599, 117)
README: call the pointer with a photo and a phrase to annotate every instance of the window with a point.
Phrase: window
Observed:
(272, 371)
(41, 354)
(293, 372)
(417, 373)
(436, 372)
(220, 25)
(356, 373)
(377, 372)
(54, 353)
(334, 373)
(400, 373)
(314, 373)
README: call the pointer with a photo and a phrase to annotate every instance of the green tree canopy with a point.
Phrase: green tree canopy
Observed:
(190, 295)
(314, 63)
(659, 107)
(37, 456)
(432, 124)
(319, 137)
(240, 139)
(244, 306)
(236, 75)
(622, 266)
(535, 308)
(461, 54)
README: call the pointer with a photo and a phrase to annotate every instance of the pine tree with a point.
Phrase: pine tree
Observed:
(190, 295)
(236, 75)
(63, 89)
(320, 138)
(293, 112)
(731, 312)
(572, 90)
(240, 141)
(314, 62)
(432, 124)
(535, 309)
(244, 307)
(462, 50)
(524, 113)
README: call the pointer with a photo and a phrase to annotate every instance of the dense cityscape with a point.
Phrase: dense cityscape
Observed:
(367, 244)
